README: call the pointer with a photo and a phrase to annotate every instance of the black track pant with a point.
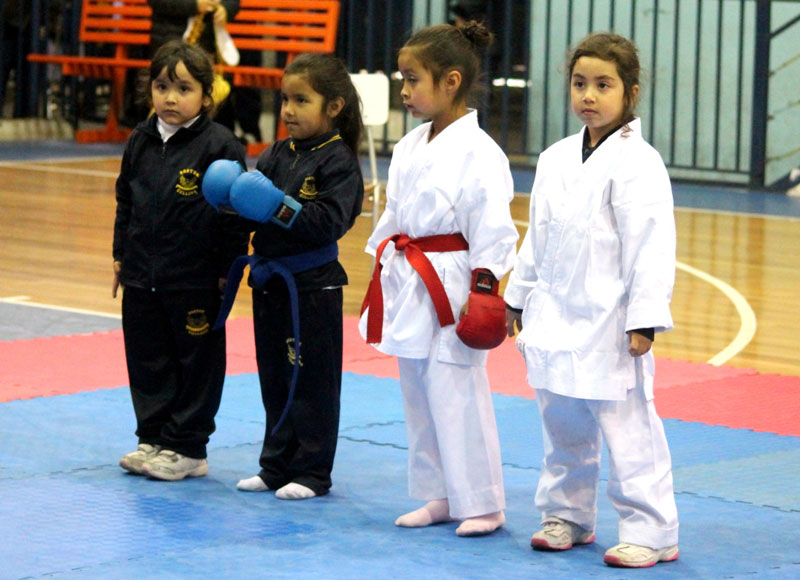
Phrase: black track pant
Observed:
(303, 449)
(176, 365)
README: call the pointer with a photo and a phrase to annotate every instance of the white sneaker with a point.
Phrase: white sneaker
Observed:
(133, 461)
(172, 466)
(558, 534)
(633, 556)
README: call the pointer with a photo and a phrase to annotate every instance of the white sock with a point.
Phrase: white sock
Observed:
(481, 525)
(254, 483)
(433, 512)
(294, 491)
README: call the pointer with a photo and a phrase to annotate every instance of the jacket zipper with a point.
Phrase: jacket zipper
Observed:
(155, 218)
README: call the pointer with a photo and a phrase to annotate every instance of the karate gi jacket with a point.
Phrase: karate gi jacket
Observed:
(459, 182)
(597, 261)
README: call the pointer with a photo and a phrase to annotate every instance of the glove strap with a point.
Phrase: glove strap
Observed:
(484, 282)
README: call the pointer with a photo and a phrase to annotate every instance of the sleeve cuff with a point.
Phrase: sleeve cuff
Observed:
(648, 333)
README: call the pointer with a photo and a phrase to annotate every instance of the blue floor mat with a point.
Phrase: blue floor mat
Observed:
(68, 511)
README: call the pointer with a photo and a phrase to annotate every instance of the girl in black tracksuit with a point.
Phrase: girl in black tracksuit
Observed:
(171, 249)
(318, 167)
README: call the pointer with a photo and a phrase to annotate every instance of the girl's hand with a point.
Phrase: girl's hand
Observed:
(513, 317)
(115, 281)
(638, 344)
(204, 6)
(221, 15)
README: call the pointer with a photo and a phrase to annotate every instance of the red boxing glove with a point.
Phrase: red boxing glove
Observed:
(484, 324)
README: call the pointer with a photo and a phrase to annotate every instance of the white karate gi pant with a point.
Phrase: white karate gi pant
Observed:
(640, 479)
(453, 447)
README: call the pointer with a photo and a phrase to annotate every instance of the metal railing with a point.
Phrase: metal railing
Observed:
(714, 71)
(705, 101)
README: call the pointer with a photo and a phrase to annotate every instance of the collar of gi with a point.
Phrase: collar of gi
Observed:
(588, 149)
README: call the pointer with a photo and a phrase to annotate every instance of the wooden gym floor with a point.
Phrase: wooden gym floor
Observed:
(736, 292)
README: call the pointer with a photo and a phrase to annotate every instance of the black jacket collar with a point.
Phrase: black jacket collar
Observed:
(316, 142)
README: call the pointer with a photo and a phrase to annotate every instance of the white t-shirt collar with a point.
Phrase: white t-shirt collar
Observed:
(166, 130)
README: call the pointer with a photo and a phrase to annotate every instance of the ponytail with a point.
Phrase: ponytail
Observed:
(477, 34)
(446, 47)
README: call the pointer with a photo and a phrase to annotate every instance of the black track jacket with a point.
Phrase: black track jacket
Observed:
(166, 235)
(324, 175)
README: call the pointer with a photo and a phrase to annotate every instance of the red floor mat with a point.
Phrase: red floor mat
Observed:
(739, 398)
(61, 365)
(768, 403)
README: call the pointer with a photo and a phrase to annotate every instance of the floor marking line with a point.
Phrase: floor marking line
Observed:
(724, 212)
(55, 169)
(78, 159)
(24, 301)
(747, 317)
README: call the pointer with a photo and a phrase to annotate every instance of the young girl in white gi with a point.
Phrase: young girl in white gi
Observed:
(591, 284)
(448, 197)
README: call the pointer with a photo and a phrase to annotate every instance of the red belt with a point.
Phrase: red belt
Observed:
(415, 254)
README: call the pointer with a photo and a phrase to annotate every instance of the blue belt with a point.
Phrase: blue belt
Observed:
(261, 271)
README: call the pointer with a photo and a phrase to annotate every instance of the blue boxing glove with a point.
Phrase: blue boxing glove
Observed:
(217, 182)
(254, 196)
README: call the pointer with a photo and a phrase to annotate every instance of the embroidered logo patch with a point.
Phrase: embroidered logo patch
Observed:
(309, 188)
(187, 182)
(291, 352)
(197, 322)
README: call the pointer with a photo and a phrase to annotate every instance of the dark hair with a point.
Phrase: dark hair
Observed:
(623, 53)
(447, 47)
(328, 76)
(195, 59)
